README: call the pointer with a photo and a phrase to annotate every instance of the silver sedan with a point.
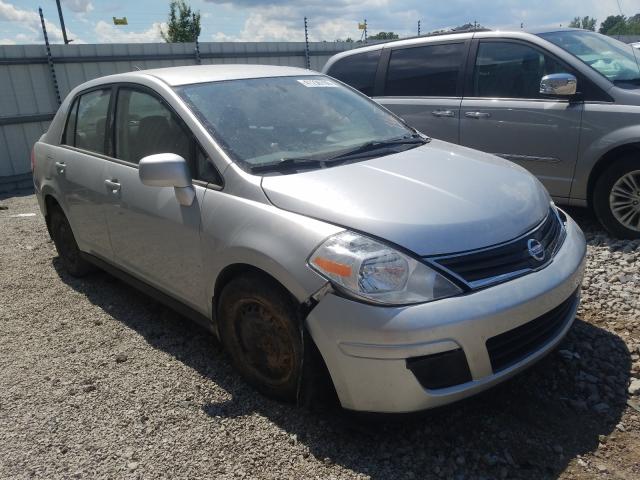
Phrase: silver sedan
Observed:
(313, 231)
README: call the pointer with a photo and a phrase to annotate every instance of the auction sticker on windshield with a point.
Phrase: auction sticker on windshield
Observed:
(318, 83)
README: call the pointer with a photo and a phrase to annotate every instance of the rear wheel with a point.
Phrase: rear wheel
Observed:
(66, 245)
(261, 331)
(616, 198)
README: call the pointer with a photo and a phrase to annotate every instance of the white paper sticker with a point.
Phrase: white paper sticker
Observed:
(318, 83)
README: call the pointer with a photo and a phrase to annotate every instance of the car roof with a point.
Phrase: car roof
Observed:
(454, 34)
(185, 75)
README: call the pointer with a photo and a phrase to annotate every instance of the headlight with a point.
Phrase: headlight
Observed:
(370, 270)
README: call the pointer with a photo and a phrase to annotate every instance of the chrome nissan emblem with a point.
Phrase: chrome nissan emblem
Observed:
(536, 250)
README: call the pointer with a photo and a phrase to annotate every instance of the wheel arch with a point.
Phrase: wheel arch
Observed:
(606, 161)
(234, 270)
(50, 202)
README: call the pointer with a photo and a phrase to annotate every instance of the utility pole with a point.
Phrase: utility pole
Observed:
(52, 69)
(418, 27)
(306, 44)
(365, 30)
(64, 30)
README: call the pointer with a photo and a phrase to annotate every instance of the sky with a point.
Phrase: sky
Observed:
(90, 21)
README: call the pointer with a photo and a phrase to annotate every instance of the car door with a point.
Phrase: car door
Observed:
(423, 85)
(80, 165)
(154, 237)
(503, 112)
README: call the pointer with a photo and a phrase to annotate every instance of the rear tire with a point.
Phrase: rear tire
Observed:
(66, 245)
(616, 198)
(260, 329)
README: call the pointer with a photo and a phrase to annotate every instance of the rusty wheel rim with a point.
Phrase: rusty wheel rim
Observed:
(265, 342)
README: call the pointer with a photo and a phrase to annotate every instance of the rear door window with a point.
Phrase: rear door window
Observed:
(91, 121)
(511, 70)
(358, 71)
(426, 71)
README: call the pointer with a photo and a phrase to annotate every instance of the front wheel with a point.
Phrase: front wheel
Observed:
(261, 331)
(616, 198)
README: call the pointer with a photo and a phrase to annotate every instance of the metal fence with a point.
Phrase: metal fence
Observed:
(28, 96)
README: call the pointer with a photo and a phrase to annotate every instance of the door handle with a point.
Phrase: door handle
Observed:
(477, 114)
(113, 185)
(443, 113)
(60, 167)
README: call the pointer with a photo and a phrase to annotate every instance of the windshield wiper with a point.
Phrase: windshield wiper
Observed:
(295, 164)
(367, 148)
(287, 165)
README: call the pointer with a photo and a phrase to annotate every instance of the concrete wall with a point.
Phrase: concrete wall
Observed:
(28, 98)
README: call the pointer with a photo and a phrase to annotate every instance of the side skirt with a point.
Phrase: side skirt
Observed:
(154, 293)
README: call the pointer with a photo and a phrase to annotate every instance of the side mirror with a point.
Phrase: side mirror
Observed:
(168, 170)
(561, 84)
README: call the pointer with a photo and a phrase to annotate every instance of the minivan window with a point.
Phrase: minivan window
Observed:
(264, 120)
(427, 71)
(511, 70)
(357, 70)
(144, 126)
(611, 58)
(91, 121)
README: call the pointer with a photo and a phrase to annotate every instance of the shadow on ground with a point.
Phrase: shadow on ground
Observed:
(529, 427)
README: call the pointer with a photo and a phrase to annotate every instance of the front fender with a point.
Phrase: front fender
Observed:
(239, 231)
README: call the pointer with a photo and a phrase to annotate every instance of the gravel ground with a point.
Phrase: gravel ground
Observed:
(98, 381)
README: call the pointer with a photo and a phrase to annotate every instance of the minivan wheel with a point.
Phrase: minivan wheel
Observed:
(616, 198)
(66, 245)
(259, 328)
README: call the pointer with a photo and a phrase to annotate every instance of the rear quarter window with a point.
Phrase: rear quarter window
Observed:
(358, 70)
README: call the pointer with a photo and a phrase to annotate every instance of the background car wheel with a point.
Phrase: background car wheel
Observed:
(66, 245)
(260, 329)
(616, 198)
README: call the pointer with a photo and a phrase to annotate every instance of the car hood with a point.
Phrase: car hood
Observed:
(434, 199)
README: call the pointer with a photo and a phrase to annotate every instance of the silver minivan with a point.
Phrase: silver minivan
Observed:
(315, 233)
(563, 103)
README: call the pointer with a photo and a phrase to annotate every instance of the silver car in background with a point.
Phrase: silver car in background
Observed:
(312, 231)
(563, 103)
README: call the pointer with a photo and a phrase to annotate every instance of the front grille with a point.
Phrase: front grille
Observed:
(512, 346)
(481, 268)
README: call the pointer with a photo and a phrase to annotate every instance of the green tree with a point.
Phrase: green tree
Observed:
(384, 36)
(586, 23)
(610, 22)
(183, 24)
(621, 25)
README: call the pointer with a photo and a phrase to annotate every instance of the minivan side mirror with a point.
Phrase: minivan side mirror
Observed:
(561, 84)
(168, 170)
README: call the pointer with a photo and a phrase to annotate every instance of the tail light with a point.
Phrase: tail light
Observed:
(33, 158)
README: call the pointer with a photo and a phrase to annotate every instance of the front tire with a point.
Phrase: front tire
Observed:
(66, 245)
(260, 329)
(616, 198)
